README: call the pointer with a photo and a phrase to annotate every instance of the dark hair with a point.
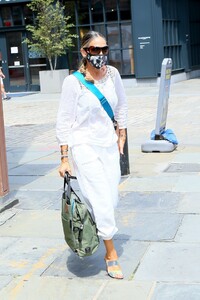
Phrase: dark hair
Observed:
(89, 36)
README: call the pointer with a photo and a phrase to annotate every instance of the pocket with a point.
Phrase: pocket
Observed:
(83, 154)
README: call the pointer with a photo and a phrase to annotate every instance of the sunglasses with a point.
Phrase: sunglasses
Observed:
(97, 50)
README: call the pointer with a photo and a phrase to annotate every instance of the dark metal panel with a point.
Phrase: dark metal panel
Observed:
(147, 22)
(194, 41)
(184, 32)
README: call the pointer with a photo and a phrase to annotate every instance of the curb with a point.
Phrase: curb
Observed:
(7, 203)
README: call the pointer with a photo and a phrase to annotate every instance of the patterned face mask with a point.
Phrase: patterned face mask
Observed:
(97, 61)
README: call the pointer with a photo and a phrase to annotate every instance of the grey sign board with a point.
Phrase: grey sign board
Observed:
(163, 97)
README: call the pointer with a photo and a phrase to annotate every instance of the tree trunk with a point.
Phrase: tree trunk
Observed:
(50, 63)
(55, 62)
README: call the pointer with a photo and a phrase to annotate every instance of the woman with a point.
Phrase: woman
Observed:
(3, 92)
(84, 126)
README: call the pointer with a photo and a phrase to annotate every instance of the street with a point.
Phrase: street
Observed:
(158, 215)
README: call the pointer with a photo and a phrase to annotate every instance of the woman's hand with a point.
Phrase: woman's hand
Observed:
(64, 167)
(1, 74)
(121, 140)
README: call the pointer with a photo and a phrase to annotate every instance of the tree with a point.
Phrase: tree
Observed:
(50, 35)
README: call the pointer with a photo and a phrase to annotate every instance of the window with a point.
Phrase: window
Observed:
(97, 11)
(83, 12)
(125, 9)
(28, 16)
(17, 15)
(6, 16)
(113, 36)
(127, 45)
(171, 21)
(111, 9)
(112, 18)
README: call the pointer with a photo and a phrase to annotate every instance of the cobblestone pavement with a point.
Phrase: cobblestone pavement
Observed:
(29, 121)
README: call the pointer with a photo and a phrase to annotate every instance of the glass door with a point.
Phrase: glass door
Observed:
(4, 61)
(13, 62)
(16, 62)
(20, 65)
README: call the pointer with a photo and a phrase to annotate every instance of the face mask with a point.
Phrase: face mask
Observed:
(97, 61)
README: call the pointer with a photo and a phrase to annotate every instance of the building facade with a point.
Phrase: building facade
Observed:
(140, 35)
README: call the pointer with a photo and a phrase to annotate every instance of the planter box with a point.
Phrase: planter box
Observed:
(51, 81)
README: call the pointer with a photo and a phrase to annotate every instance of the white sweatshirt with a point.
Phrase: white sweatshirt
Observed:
(81, 119)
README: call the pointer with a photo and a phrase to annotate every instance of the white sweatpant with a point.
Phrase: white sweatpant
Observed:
(98, 173)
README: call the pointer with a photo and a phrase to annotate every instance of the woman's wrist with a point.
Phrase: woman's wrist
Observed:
(122, 134)
(64, 153)
(64, 160)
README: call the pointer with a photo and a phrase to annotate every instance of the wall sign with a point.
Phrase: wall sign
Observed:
(144, 41)
(14, 50)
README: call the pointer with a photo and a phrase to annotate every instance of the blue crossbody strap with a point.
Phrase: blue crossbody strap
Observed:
(97, 93)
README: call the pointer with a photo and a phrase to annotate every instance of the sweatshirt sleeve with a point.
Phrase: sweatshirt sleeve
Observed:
(121, 109)
(66, 115)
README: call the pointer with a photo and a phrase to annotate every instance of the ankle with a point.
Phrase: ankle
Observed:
(111, 255)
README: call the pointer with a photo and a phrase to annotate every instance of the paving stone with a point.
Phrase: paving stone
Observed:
(148, 226)
(34, 223)
(41, 148)
(177, 292)
(12, 165)
(126, 290)
(187, 183)
(4, 281)
(37, 200)
(190, 203)
(37, 183)
(51, 288)
(37, 133)
(32, 169)
(8, 201)
(6, 215)
(150, 184)
(17, 182)
(149, 201)
(25, 156)
(6, 242)
(170, 262)
(187, 158)
(189, 230)
(70, 265)
(26, 256)
(53, 158)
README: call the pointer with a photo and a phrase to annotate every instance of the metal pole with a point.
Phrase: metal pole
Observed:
(124, 159)
(4, 185)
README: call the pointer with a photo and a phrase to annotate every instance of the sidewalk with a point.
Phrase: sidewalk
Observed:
(158, 215)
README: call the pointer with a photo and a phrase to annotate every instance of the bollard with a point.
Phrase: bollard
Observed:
(159, 142)
(124, 159)
(4, 186)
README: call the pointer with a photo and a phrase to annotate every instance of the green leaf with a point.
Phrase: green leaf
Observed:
(50, 35)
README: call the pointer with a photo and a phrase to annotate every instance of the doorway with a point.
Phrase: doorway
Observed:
(20, 66)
